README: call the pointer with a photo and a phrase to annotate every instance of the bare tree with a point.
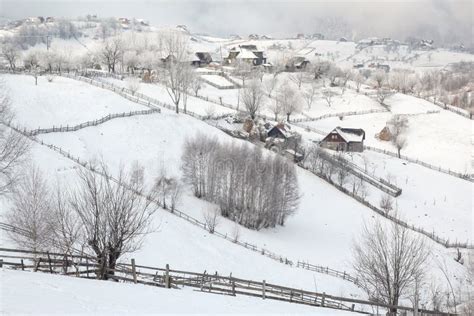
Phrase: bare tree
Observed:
(359, 80)
(13, 146)
(289, 100)
(275, 107)
(177, 69)
(328, 94)
(298, 78)
(398, 126)
(386, 203)
(382, 95)
(252, 97)
(11, 54)
(211, 218)
(380, 77)
(270, 85)
(111, 53)
(389, 261)
(309, 94)
(31, 212)
(114, 215)
(195, 85)
(133, 84)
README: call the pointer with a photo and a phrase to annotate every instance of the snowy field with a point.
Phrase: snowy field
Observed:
(61, 102)
(158, 92)
(434, 201)
(321, 232)
(441, 139)
(36, 293)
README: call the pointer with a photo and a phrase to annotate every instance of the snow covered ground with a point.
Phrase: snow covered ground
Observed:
(61, 102)
(441, 139)
(41, 293)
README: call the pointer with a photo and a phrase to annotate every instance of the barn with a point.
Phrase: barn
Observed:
(344, 139)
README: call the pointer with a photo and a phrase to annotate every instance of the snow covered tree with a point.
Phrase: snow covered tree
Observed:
(133, 84)
(398, 126)
(13, 146)
(270, 85)
(328, 95)
(380, 78)
(289, 100)
(11, 54)
(31, 212)
(309, 94)
(252, 97)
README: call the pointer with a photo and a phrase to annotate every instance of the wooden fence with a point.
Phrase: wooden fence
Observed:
(464, 176)
(431, 235)
(86, 266)
(102, 120)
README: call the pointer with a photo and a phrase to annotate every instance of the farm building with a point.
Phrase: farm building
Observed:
(344, 139)
(248, 53)
(201, 59)
(296, 63)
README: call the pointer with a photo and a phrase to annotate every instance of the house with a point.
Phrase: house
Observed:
(317, 36)
(281, 139)
(300, 36)
(343, 39)
(266, 37)
(344, 139)
(247, 53)
(254, 37)
(201, 59)
(281, 130)
(296, 63)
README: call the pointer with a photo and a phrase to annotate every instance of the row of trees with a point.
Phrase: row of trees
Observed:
(98, 215)
(254, 189)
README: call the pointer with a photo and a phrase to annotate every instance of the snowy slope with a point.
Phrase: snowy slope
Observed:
(40, 293)
(61, 102)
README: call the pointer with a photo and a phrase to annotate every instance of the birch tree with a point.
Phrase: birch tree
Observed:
(389, 262)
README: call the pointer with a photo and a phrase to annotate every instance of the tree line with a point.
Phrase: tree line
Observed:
(255, 189)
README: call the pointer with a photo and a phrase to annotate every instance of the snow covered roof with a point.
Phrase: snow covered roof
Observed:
(351, 134)
(246, 54)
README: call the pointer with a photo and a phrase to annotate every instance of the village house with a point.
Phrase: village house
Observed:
(248, 53)
(296, 63)
(201, 59)
(344, 139)
(281, 139)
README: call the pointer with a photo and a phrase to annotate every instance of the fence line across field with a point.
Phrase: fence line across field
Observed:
(102, 120)
(85, 267)
(431, 235)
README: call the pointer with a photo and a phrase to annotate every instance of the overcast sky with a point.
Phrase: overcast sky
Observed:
(442, 20)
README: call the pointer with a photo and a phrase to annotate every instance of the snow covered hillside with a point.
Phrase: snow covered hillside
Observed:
(321, 232)
(36, 293)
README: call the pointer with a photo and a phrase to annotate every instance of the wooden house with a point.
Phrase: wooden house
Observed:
(296, 63)
(344, 139)
(248, 53)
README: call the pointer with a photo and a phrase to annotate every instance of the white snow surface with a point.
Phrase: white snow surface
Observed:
(44, 294)
(61, 102)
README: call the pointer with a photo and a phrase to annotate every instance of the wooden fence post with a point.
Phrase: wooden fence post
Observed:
(134, 271)
(37, 265)
(87, 267)
(1, 263)
(49, 263)
(263, 289)
(22, 265)
(323, 298)
(167, 276)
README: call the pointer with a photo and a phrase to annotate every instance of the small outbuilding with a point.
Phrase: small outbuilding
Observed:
(344, 139)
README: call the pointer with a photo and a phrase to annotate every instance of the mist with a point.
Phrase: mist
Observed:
(446, 22)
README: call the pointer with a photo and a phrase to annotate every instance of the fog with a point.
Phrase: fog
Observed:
(445, 21)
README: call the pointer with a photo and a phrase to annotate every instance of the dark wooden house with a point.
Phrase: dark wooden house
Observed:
(296, 63)
(201, 59)
(344, 139)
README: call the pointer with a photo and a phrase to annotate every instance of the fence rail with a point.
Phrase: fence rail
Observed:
(85, 267)
(465, 176)
(102, 120)
(431, 235)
